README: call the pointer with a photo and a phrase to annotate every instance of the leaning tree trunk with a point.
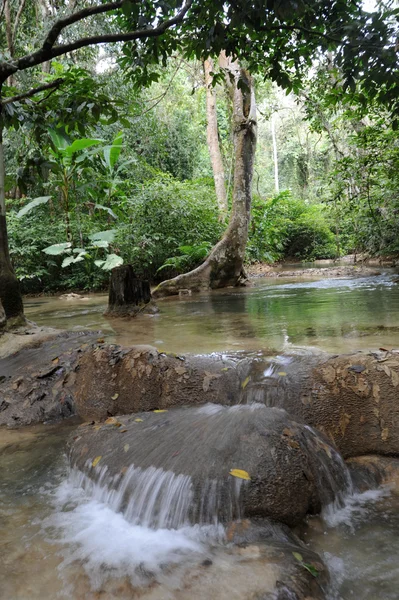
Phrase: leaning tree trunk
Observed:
(224, 265)
(10, 294)
(213, 139)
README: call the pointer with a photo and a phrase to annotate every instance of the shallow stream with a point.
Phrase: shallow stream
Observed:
(335, 315)
(59, 541)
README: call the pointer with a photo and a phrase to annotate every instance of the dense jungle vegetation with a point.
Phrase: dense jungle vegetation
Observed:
(101, 170)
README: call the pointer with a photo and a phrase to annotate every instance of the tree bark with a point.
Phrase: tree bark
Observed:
(224, 265)
(128, 295)
(213, 139)
(10, 294)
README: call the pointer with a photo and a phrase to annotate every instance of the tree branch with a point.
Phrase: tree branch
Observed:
(49, 52)
(59, 25)
(41, 88)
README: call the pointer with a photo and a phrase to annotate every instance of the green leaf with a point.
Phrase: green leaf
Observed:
(111, 153)
(59, 139)
(28, 207)
(69, 260)
(81, 144)
(113, 260)
(100, 243)
(107, 209)
(57, 249)
(107, 236)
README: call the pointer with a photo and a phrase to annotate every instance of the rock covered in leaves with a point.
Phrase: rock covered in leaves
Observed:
(237, 461)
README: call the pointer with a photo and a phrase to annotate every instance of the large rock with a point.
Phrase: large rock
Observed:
(186, 455)
(114, 380)
(354, 399)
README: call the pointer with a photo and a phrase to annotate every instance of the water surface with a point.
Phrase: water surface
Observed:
(335, 315)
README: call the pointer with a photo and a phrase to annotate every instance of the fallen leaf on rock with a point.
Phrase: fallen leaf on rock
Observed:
(115, 397)
(112, 421)
(138, 420)
(96, 461)
(282, 374)
(126, 447)
(245, 383)
(240, 474)
(160, 410)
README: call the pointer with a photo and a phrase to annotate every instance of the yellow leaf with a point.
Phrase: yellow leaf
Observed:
(240, 474)
(96, 461)
(245, 383)
(160, 411)
(138, 420)
(115, 396)
(298, 556)
(126, 447)
(282, 374)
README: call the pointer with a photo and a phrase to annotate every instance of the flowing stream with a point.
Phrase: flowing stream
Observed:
(63, 535)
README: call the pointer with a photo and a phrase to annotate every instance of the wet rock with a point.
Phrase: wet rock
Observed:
(37, 383)
(353, 399)
(369, 472)
(288, 470)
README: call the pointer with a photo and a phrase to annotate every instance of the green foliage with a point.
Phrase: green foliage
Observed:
(283, 227)
(188, 258)
(164, 216)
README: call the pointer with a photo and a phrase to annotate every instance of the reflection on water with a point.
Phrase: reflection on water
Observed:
(335, 315)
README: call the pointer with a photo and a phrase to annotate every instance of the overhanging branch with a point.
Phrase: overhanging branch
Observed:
(41, 88)
(48, 51)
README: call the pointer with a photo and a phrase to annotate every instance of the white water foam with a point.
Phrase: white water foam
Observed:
(354, 506)
(107, 545)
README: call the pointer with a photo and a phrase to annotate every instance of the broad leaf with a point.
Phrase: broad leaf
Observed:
(81, 144)
(107, 236)
(107, 209)
(112, 261)
(59, 139)
(57, 249)
(36, 202)
(111, 153)
(69, 260)
(100, 243)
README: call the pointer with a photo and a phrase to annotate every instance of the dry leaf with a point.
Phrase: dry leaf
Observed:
(281, 373)
(126, 447)
(160, 410)
(240, 474)
(115, 397)
(96, 461)
(138, 420)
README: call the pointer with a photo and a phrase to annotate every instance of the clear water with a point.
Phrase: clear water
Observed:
(59, 541)
(56, 541)
(360, 545)
(335, 315)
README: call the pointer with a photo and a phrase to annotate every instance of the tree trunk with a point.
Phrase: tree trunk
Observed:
(128, 295)
(224, 265)
(213, 139)
(10, 294)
